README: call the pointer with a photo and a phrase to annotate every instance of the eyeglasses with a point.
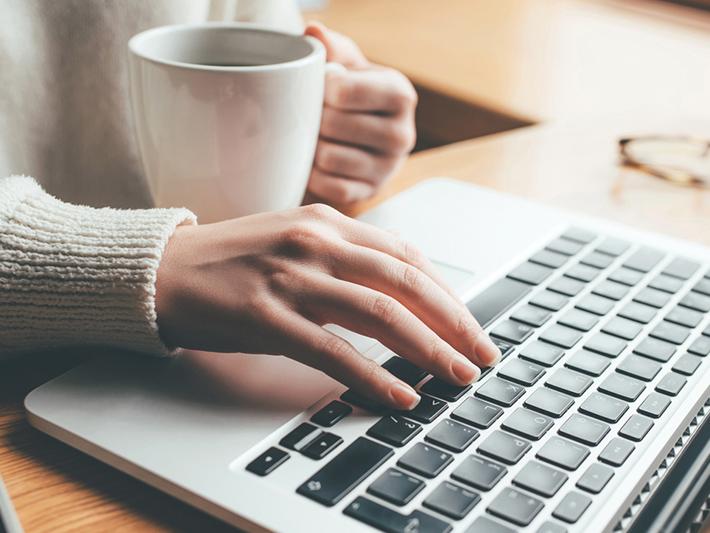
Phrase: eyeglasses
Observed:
(681, 160)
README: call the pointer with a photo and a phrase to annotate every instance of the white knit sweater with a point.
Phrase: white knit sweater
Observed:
(73, 275)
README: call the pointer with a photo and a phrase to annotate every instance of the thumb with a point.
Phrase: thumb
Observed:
(338, 47)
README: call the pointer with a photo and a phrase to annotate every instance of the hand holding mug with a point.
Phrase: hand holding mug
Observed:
(367, 127)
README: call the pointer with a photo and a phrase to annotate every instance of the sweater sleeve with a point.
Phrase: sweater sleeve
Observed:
(76, 276)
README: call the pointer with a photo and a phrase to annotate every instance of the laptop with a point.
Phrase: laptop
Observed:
(603, 388)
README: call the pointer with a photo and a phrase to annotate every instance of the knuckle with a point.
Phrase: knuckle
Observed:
(399, 136)
(321, 212)
(411, 254)
(462, 329)
(438, 355)
(326, 158)
(301, 237)
(383, 308)
(332, 347)
(412, 279)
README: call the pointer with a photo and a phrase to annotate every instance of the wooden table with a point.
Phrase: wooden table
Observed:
(56, 488)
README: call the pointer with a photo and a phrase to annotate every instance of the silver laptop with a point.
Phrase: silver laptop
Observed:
(606, 378)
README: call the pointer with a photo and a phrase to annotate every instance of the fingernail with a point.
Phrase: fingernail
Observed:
(404, 395)
(464, 371)
(488, 352)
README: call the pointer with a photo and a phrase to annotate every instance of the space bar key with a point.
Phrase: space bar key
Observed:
(495, 300)
(345, 471)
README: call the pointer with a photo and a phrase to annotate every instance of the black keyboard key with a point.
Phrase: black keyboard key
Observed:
(588, 362)
(396, 487)
(564, 246)
(322, 445)
(610, 289)
(479, 473)
(531, 273)
(504, 447)
(569, 381)
(386, 519)
(654, 405)
(331, 414)
(563, 453)
(681, 268)
(515, 506)
(549, 259)
(512, 331)
(612, 246)
(668, 332)
(566, 286)
(529, 314)
(636, 427)
(639, 367)
(452, 435)
(639, 312)
(571, 508)
(500, 391)
(483, 524)
(300, 436)
(541, 353)
(603, 407)
(644, 259)
(702, 286)
(655, 349)
(505, 347)
(616, 452)
(697, 301)
(527, 423)
(404, 370)
(561, 336)
(595, 478)
(584, 429)
(425, 460)
(579, 235)
(451, 500)
(605, 345)
(582, 272)
(345, 471)
(540, 479)
(394, 430)
(427, 410)
(622, 328)
(652, 297)
(595, 304)
(687, 364)
(495, 300)
(549, 300)
(666, 284)
(549, 402)
(623, 387)
(355, 398)
(578, 319)
(671, 384)
(521, 372)
(597, 260)
(700, 346)
(477, 413)
(626, 276)
(267, 462)
(446, 391)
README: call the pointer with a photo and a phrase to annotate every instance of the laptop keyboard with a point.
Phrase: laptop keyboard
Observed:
(576, 316)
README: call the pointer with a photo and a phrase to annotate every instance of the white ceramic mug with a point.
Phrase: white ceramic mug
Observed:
(227, 116)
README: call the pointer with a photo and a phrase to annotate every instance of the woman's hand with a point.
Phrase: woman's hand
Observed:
(267, 283)
(367, 128)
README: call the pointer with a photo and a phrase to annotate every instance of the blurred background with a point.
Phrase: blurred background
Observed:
(485, 66)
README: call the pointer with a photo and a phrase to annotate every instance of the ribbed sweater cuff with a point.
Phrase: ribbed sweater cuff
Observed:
(75, 276)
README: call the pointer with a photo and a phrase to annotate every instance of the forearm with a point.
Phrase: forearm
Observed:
(73, 275)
